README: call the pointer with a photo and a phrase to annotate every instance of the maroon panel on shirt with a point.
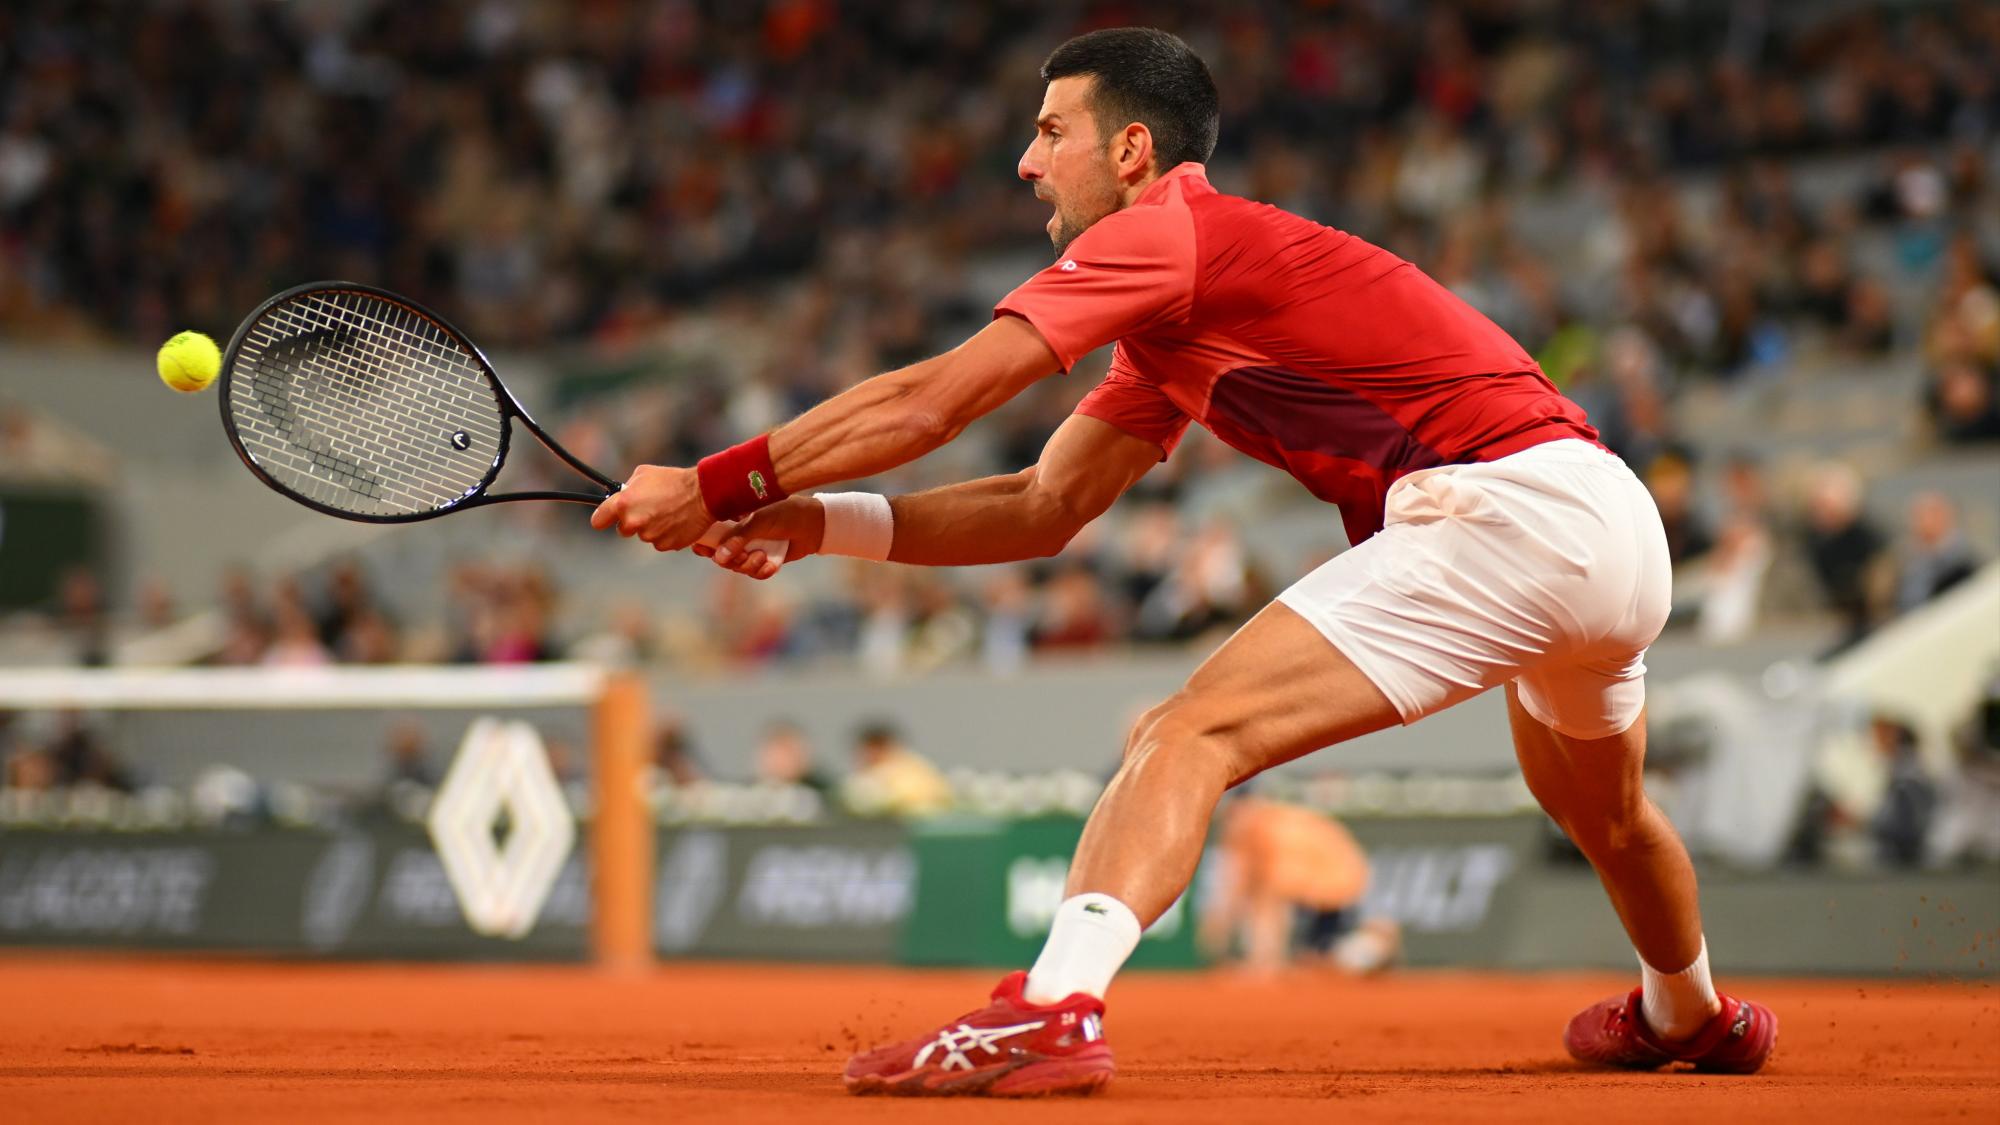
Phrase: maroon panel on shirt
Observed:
(1345, 449)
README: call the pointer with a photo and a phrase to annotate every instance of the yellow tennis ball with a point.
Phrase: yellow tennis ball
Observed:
(189, 362)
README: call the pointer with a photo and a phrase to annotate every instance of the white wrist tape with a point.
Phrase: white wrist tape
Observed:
(858, 524)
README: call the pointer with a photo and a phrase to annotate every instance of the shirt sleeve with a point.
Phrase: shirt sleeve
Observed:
(1133, 270)
(1135, 405)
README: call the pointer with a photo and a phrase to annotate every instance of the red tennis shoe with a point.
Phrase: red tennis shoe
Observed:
(1737, 1040)
(1009, 1048)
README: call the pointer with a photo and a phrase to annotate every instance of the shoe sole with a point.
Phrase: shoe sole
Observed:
(1069, 1076)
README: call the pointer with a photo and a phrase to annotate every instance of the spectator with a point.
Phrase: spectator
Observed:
(1731, 580)
(890, 779)
(1846, 551)
(1151, 541)
(407, 757)
(294, 638)
(1210, 586)
(1963, 404)
(945, 630)
(675, 760)
(629, 637)
(368, 638)
(1075, 612)
(784, 757)
(1968, 824)
(156, 608)
(347, 598)
(1009, 621)
(30, 770)
(1671, 481)
(1903, 822)
(82, 616)
(1935, 557)
(78, 757)
(883, 636)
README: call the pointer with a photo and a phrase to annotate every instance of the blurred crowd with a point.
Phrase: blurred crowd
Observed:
(62, 769)
(1921, 818)
(714, 214)
(562, 171)
(1748, 557)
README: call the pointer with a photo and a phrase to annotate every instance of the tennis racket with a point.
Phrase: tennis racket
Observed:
(365, 405)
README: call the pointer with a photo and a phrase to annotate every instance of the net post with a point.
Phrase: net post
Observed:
(621, 834)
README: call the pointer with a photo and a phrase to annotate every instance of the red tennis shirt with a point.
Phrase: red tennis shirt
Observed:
(1300, 345)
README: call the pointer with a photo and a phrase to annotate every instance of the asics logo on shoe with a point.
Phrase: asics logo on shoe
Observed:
(955, 1044)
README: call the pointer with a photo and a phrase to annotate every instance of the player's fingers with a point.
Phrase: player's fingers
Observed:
(729, 552)
(608, 512)
(716, 534)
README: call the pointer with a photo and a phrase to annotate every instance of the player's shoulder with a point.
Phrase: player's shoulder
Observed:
(1134, 238)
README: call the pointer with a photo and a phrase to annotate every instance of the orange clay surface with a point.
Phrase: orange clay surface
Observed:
(124, 1040)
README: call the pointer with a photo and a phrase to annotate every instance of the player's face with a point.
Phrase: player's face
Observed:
(1069, 163)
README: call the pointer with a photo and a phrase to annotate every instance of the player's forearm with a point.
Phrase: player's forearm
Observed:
(896, 418)
(869, 428)
(991, 520)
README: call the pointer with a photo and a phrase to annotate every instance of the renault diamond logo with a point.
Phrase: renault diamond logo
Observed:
(501, 768)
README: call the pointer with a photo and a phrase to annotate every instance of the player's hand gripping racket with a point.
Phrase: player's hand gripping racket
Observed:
(365, 405)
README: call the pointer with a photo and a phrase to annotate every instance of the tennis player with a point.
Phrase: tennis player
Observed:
(1497, 544)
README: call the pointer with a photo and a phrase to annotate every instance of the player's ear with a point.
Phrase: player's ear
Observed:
(1133, 151)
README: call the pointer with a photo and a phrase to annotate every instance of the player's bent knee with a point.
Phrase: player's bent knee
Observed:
(1611, 831)
(1176, 736)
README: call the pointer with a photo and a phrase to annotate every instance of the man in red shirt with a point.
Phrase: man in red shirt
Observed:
(1496, 543)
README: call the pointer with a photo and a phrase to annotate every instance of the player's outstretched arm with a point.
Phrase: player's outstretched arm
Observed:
(1086, 466)
(869, 428)
(897, 417)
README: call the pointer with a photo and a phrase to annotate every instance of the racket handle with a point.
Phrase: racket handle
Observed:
(774, 549)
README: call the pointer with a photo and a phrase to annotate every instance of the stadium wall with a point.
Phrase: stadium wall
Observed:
(1467, 891)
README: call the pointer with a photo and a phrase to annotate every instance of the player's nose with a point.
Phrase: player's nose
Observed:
(1028, 169)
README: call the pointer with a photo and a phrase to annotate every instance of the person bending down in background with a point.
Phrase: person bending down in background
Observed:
(1284, 867)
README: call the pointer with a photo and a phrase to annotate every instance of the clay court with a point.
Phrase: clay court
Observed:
(166, 1040)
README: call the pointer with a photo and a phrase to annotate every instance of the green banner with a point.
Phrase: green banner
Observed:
(987, 890)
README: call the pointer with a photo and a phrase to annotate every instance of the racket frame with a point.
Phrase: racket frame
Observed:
(510, 409)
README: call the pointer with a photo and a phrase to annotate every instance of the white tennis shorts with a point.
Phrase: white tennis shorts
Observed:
(1547, 568)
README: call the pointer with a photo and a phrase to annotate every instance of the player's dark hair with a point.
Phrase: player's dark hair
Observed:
(1149, 76)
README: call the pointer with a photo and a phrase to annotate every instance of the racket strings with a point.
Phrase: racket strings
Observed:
(361, 404)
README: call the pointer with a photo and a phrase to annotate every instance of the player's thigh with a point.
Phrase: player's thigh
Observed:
(1275, 690)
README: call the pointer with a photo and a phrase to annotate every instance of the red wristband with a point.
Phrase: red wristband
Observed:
(739, 480)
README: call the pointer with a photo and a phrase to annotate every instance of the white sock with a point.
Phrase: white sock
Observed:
(1676, 1005)
(1092, 936)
